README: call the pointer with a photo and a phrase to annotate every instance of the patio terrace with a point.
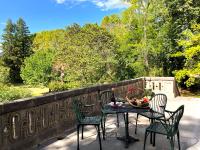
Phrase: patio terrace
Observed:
(37, 122)
(189, 132)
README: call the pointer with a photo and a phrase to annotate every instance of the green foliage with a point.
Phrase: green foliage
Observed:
(16, 47)
(55, 86)
(148, 93)
(88, 56)
(148, 32)
(181, 75)
(191, 44)
(4, 74)
(141, 32)
(183, 13)
(49, 40)
(143, 40)
(38, 68)
(10, 93)
(83, 56)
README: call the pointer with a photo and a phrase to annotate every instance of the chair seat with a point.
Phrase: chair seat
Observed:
(152, 115)
(94, 120)
(158, 127)
(106, 111)
(166, 126)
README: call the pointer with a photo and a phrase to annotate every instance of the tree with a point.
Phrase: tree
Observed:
(53, 39)
(183, 14)
(37, 68)
(82, 56)
(88, 56)
(189, 75)
(4, 73)
(141, 32)
(16, 47)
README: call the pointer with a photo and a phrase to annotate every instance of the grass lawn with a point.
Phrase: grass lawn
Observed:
(35, 91)
(187, 93)
(38, 91)
(10, 92)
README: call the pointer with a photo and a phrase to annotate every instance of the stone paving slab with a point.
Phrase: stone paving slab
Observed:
(189, 132)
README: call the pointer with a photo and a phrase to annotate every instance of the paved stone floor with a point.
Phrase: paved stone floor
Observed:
(189, 132)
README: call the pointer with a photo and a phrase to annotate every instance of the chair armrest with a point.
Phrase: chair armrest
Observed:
(169, 112)
(170, 115)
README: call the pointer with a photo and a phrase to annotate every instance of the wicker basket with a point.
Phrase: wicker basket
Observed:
(138, 102)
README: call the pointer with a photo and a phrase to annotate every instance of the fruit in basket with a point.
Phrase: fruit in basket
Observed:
(145, 102)
(134, 103)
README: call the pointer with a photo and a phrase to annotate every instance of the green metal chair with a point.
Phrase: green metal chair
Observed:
(168, 127)
(83, 120)
(105, 98)
(157, 106)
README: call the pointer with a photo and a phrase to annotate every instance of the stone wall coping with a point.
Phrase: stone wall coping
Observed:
(57, 96)
(159, 78)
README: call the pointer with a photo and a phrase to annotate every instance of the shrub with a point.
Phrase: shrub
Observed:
(37, 68)
(55, 86)
(4, 74)
(10, 93)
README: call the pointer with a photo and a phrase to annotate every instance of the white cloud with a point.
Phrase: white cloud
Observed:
(111, 4)
(102, 4)
(60, 1)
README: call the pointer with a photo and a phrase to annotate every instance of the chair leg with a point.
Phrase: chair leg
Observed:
(82, 131)
(154, 139)
(151, 133)
(136, 123)
(124, 117)
(78, 137)
(104, 125)
(172, 143)
(117, 120)
(102, 130)
(98, 129)
(178, 137)
(145, 138)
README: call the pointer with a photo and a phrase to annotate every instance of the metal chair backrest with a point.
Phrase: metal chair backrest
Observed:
(105, 97)
(175, 118)
(171, 124)
(77, 110)
(158, 103)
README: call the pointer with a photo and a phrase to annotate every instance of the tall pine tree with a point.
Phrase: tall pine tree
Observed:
(8, 46)
(16, 47)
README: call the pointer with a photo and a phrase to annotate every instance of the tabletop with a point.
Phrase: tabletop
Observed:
(124, 108)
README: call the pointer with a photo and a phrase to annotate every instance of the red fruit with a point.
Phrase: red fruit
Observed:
(145, 100)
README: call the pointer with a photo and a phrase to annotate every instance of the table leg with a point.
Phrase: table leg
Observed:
(151, 136)
(127, 138)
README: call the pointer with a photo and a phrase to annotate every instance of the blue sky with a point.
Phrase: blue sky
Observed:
(53, 14)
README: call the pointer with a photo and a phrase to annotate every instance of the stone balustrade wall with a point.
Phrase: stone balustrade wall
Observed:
(166, 85)
(25, 123)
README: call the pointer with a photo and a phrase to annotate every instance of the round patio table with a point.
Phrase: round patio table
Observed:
(126, 109)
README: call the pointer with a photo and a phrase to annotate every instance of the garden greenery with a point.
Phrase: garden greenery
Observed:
(150, 38)
(9, 93)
